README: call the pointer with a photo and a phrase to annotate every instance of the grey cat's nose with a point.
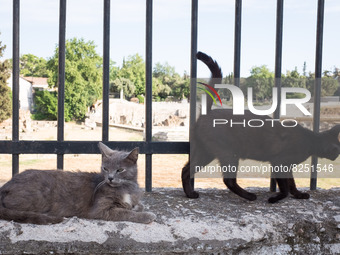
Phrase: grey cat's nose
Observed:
(110, 179)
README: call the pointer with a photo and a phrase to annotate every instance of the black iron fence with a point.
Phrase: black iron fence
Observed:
(147, 147)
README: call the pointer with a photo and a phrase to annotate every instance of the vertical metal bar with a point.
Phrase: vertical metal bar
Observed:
(15, 83)
(278, 54)
(278, 66)
(317, 87)
(193, 67)
(61, 79)
(237, 42)
(106, 71)
(148, 95)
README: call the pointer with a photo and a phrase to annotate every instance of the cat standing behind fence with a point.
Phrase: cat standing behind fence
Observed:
(43, 197)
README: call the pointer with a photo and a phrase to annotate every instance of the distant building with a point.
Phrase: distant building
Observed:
(25, 93)
(38, 83)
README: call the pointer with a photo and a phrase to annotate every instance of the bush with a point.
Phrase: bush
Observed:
(141, 99)
(46, 105)
(5, 92)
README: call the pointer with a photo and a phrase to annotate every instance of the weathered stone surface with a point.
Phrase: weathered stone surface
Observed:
(219, 222)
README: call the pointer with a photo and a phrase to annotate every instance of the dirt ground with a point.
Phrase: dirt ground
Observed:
(166, 170)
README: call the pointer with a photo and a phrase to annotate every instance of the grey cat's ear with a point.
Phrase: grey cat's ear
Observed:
(106, 151)
(133, 155)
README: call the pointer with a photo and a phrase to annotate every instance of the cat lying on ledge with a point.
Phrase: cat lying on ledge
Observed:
(279, 145)
(43, 197)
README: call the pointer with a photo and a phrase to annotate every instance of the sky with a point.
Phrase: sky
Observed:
(171, 31)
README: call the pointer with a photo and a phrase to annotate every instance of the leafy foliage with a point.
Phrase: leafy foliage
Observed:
(181, 89)
(167, 82)
(134, 70)
(140, 99)
(123, 84)
(83, 77)
(329, 85)
(160, 90)
(31, 65)
(262, 81)
(46, 105)
(83, 80)
(5, 98)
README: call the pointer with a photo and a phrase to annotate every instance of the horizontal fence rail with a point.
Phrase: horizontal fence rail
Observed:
(147, 147)
(89, 147)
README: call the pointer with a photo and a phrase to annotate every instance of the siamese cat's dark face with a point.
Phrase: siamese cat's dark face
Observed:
(118, 165)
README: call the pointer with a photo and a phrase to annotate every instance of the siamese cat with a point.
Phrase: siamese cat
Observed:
(274, 143)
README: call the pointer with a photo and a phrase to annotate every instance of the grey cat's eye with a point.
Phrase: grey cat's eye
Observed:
(105, 169)
(120, 170)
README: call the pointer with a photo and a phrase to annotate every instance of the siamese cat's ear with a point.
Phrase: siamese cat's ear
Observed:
(106, 151)
(133, 156)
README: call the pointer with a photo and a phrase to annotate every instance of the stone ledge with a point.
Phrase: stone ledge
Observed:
(219, 222)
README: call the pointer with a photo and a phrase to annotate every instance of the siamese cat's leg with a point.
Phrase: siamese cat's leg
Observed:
(293, 190)
(186, 182)
(287, 185)
(282, 181)
(229, 177)
(283, 193)
(198, 157)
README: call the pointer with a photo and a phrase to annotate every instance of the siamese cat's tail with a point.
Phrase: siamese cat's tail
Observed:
(27, 217)
(214, 68)
(216, 73)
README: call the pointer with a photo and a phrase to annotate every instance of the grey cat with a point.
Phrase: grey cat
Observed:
(44, 197)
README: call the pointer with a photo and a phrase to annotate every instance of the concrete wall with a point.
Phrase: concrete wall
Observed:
(219, 222)
(25, 93)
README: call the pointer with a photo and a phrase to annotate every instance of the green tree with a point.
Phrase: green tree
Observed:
(83, 77)
(229, 79)
(261, 79)
(46, 105)
(304, 69)
(293, 79)
(181, 88)
(159, 90)
(134, 70)
(336, 75)
(31, 65)
(113, 70)
(225, 93)
(169, 82)
(329, 84)
(123, 84)
(161, 71)
(5, 99)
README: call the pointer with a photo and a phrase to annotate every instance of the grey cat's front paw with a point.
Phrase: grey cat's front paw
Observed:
(146, 217)
(138, 208)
